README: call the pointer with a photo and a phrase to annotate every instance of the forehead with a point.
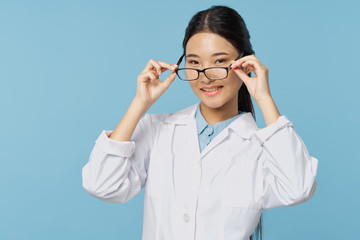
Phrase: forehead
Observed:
(206, 43)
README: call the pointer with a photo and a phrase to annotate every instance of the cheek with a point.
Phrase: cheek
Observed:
(193, 86)
(234, 81)
(234, 77)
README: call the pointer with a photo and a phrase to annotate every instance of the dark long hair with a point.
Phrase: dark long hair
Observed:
(227, 23)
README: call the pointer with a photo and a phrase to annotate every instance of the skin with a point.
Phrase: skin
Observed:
(224, 105)
(214, 108)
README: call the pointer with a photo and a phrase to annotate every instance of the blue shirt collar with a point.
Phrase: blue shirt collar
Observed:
(201, 123)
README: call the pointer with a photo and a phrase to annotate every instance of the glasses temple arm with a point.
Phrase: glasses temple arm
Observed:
(180, 59)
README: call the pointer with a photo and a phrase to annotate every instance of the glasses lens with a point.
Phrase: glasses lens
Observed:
(216, 73)
(187, 74)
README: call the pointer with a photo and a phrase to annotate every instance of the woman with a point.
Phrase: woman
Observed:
(208, 170)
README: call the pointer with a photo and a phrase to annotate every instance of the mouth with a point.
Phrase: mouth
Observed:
(211, 91)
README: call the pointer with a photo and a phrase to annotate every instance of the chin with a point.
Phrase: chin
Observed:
(213, 103)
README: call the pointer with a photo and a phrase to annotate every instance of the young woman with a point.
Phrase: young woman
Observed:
(208, 170)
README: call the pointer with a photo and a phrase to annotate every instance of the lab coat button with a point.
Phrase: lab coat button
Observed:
(186, 217)
(196, 165)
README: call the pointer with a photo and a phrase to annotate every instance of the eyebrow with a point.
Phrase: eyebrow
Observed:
(215, 54)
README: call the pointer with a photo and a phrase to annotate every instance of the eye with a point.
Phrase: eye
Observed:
(193, 62)
(221, 60)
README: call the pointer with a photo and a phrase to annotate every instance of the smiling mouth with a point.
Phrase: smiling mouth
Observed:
(211, 89)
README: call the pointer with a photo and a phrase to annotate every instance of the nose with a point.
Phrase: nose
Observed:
(203, 78)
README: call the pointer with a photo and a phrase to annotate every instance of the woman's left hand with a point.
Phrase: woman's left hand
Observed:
(257, 86)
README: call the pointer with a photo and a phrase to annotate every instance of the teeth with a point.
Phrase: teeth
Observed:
(211, 89)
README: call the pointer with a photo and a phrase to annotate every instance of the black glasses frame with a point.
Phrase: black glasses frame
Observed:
(203, 70)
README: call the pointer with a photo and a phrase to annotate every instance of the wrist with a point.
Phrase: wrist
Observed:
(141, 103)
(264, 100)
(269, 110)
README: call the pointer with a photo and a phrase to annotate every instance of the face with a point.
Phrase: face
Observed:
(201, 52)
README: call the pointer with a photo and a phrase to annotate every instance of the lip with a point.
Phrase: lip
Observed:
(213, 93)
(212, 87)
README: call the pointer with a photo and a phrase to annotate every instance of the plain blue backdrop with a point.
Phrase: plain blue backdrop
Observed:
(68, 70)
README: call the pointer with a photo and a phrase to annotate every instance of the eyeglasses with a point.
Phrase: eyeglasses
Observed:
(212, 73)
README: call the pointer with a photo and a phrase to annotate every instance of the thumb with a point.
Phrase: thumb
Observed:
(244, 77)
(169, 79)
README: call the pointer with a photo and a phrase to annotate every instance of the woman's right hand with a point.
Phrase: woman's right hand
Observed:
(149, 86)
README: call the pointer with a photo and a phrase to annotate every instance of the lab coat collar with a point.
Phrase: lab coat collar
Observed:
(244, 126)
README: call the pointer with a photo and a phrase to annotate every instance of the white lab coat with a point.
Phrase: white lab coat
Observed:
(213, 195)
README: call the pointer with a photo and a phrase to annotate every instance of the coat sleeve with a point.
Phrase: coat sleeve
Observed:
(117, 170)
(288, 171)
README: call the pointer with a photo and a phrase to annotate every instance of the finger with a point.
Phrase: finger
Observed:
(251, 56)
(159, 66)
(243, 59)
(255, 66)
(152, 64)
(169, 80)
(150, 75)
(244, 77)
(246, 57)
(165, 65)
(250, 64)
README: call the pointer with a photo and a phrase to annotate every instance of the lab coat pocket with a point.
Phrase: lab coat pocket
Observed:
(239, 222)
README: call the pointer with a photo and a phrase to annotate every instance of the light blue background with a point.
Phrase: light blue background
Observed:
(68, 70)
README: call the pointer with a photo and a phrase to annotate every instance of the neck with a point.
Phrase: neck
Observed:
(216, 115)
